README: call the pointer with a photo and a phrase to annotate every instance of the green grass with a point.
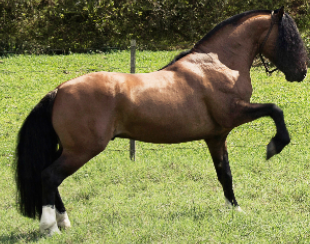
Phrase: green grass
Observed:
(170, 194)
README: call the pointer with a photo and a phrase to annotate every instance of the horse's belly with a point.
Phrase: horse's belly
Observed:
(168, 128)
(162, 111)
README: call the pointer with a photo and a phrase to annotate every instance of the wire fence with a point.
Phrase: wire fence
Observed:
(132, 148)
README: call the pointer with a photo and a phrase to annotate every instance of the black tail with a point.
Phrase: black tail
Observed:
(36, 149)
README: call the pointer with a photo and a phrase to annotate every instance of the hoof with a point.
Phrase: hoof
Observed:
(63, 221)
(49, 229)
(236, 208)
(276, 145)
(271, 149)
(48, 224)
(239, 209)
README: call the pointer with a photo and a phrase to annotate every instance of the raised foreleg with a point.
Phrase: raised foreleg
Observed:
(242, 112)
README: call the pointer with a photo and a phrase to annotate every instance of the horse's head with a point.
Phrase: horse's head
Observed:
(288, 52)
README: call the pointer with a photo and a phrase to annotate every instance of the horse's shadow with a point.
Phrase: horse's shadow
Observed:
(15, 237)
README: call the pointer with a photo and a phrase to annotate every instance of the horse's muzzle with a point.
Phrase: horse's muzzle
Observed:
(300, 76)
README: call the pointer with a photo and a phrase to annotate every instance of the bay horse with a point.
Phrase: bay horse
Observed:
(201, 95)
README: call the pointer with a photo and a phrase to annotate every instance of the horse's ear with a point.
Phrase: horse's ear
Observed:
(279, 12)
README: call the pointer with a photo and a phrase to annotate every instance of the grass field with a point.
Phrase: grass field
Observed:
(170, 194)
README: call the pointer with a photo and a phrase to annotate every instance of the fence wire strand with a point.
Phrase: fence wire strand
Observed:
(64, 70)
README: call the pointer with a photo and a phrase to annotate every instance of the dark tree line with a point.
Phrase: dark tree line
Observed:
(41, 26)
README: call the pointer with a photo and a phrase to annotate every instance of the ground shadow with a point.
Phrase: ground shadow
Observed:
(15, 237)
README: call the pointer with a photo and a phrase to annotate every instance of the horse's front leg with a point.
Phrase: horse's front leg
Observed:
(243, 112)
(219, 154)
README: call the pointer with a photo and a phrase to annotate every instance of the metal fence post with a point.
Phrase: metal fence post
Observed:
(132, 71)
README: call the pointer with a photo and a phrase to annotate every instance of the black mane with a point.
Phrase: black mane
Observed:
(232, 20)
(176, 58)
(290, 47)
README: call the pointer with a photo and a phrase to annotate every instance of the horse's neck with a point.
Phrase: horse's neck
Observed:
(237, 46)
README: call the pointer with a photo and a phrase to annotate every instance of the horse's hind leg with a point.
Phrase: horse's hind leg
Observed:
(219, 154)
(51, 178)
(61, 213)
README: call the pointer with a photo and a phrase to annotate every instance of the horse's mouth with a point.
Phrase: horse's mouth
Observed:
(300, 76)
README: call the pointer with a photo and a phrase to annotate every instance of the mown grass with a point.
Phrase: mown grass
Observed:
(170, 194)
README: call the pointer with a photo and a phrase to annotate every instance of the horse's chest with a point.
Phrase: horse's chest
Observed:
(228, 83)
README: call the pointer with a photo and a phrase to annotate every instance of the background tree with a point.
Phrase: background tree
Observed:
(39, 26)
